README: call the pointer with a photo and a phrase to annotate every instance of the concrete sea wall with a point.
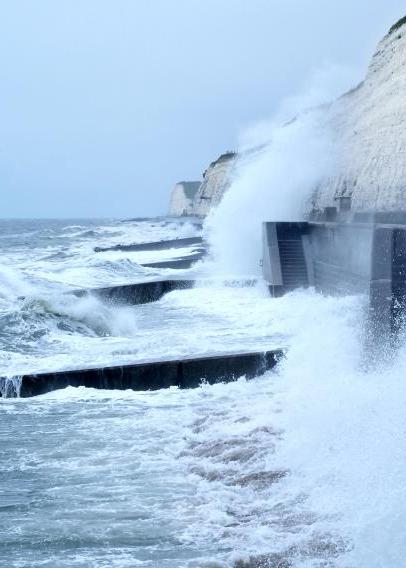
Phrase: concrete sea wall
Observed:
(341, 259)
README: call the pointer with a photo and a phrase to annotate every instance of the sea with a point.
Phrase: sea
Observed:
(302, 467)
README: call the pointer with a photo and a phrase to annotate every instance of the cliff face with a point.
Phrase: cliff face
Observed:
(216, 181)
(369, 124)
(182, 198)
(197, 198)
(369, 129)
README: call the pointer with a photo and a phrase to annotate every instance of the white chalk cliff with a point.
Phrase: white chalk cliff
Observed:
(369, 129)
(369, 123)
(197, 198)
(216, 181)
(182, 198)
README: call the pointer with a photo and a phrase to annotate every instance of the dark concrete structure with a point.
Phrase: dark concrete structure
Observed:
(146, 292)
(286, 264)
(133, 294)
(185, 373)
(158, 245)
(340, 258)
(181, 262)
(197, 245)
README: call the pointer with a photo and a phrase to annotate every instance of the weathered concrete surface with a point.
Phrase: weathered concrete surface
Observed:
(343, 258)
(336, 258)
(140, 293)
(158, 245)
(186, 373)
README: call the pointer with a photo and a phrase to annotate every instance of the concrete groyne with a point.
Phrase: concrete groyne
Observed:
(140, 293)
(141, 376)
(155, 246)
(152, 291)
(179, 263)
(198, 250)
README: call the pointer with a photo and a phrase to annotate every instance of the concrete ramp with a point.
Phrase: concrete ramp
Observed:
(149, 375)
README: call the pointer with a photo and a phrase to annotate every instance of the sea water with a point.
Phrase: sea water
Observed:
(303, 466)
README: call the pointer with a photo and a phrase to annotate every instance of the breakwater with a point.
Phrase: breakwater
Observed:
(187, 372)
(139, 293)
(154, 246)
(179, 263)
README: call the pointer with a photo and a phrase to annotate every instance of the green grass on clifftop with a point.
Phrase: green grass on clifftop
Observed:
(398, 25)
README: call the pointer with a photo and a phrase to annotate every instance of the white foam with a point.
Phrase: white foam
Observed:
(215, 458)
(10, 387)
(337, 430)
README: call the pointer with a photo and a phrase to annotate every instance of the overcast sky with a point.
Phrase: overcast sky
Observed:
(105, 104)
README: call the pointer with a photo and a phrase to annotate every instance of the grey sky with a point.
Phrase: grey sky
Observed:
(105, 104)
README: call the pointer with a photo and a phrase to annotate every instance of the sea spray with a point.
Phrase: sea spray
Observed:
(13, 283)
(281, 163)
(98, 317)
(10, 387)
(334, 459)
(344, 438)
(255, 453)
(306, 466)
(272, 183)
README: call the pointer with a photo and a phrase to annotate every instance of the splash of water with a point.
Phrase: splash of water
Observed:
(281, 163)
(338, 425)
(272, 183)
(13, 283)
(10, 387)
(97, 316)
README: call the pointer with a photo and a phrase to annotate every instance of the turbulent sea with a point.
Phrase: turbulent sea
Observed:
(301, 467)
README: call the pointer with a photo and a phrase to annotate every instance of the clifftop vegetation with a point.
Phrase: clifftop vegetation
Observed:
(398, 25)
